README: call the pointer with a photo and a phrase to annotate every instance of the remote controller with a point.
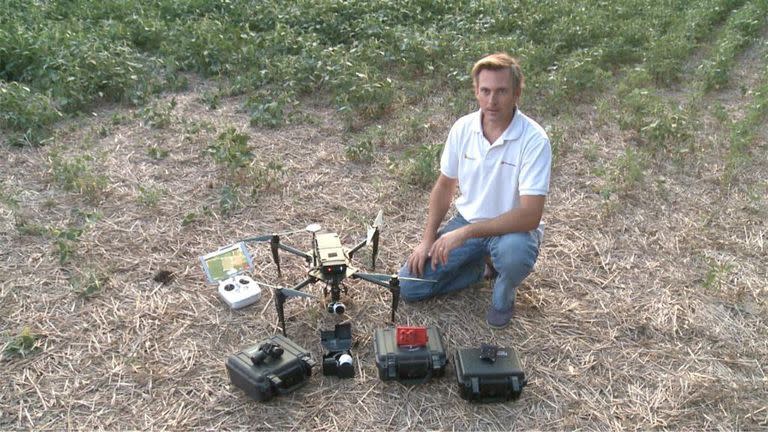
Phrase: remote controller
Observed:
(239, 291)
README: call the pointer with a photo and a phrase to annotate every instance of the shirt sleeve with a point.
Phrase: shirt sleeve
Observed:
(449, 162)
(536, 168)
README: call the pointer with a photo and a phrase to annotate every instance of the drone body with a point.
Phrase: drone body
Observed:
(332, 259)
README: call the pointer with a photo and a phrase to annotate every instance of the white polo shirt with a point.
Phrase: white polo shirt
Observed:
(492, 176)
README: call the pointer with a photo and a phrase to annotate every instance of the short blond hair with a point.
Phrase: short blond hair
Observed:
(500, 61)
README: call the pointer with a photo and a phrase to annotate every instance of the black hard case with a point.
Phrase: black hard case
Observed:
(482, 381)
(274, 376)
(409, 365)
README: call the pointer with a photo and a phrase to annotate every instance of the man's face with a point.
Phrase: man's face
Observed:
(495, 95)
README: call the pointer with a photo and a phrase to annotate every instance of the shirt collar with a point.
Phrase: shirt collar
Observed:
(514, 130)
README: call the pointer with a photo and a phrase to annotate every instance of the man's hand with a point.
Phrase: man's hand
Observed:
(418, 258)
(445, 244)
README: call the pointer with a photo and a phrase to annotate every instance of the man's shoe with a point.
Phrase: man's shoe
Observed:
(499, 319)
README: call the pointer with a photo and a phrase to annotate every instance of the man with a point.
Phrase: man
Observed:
(500, 160)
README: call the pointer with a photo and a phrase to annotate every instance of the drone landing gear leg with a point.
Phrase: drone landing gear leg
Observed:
(280, 305)
(274, 244)
(374, 249)
(394, 286)
(282, 294)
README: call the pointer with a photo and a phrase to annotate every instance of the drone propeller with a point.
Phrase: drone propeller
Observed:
(416, 279)
(387, 277)
(371, 238)
(267, 237)
(377, 223)
(256, 239)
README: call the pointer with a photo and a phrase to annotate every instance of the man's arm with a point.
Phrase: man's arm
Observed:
(524, 218)
(439, 203)
(520, 219)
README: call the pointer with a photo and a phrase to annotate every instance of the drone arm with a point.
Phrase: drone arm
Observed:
(304, 283)
(295, 251)
(357, 248)
(281, 297)
(392, 283)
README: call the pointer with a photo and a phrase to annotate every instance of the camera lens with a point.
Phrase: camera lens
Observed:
(338, 308)
(345, 359)
(344, 368)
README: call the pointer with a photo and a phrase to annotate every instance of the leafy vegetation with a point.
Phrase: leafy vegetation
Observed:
(77, 174)
(741, 29)
(23, 344)
(89, 283)
(64, 57)
(420, 165)
(367, 60)
(745, 132)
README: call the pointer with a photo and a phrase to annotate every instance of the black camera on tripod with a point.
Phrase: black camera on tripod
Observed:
(338, 360)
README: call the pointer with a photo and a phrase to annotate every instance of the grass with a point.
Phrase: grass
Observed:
(151, 196)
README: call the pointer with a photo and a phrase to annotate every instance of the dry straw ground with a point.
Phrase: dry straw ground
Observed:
(645, 311)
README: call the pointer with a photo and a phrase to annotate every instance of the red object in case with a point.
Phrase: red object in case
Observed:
(411, 336)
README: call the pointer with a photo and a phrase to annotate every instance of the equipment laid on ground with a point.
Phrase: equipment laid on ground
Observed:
(329, 262)
(226, 267)
(274, 367)
(409, 364)
(489, 374)
(338, 359)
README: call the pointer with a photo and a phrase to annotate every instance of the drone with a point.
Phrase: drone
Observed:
(330, 262)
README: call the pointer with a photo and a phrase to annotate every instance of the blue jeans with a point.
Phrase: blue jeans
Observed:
(513, 257)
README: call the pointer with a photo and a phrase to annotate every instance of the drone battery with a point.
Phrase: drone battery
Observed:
(409, 364)
(274, 367)
(484, 377)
